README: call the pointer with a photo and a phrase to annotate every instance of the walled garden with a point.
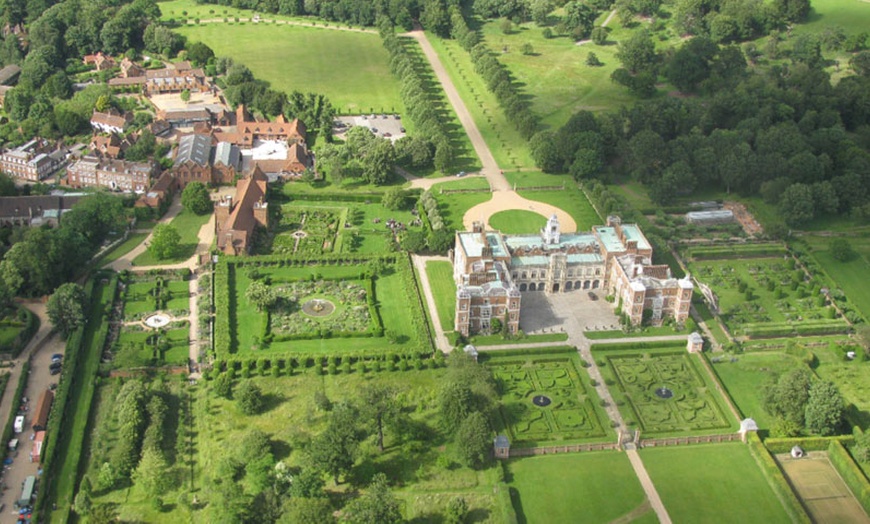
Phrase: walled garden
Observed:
(663, 392)
(546, 398)
(768, 297)
(313, 306)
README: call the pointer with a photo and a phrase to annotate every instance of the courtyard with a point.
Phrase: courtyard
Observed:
(571, 311)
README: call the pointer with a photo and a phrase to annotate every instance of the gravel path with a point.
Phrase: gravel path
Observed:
(503, 196)
(441, 341)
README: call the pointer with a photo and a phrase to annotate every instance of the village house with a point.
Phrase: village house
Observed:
(130, 69)
(110, 121)
(117, 175)
(32, 161)
(236, 218)
(174, 80)
(111, 146)
(100, 61)
(492, 271)
(34, 210)
(160, 192)
(195, 161)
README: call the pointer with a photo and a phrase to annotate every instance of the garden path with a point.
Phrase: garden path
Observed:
(193, 357)
(441, 341)
(503, 196)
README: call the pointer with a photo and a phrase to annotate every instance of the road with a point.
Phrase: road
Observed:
(503, 196)
(40, 349)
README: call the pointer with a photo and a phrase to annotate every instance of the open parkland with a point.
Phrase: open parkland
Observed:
(593, 420)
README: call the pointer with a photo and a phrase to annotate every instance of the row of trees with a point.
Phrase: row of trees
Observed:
(357, 12)
(430, 144)
(498, 79)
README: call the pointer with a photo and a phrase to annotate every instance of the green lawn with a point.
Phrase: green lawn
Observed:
(572, 201)
(556, 74)
(468, 182)
(498, 340)
(648, 331)
(350, 68)
(715, 483)
(745, 380)
(453, 206)
(597, 487)
(535, 178)
(517, 222)
(124, 247)
(506, 144)
(850, 276)
(188, 225)
(440, 275)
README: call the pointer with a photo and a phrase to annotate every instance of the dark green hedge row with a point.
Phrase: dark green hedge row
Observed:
(555, 350)
(601, 346)
(851, 473)
(784, 445)
(776, 479)
(323, 363)
(359, 197)
(16, 401)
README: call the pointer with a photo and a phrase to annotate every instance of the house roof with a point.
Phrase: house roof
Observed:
(9, 73)
(27, 206)
(249, 192)
(227, 154)
(109, 119)
(194, 148)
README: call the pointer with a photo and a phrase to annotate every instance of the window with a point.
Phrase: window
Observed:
(464, 306)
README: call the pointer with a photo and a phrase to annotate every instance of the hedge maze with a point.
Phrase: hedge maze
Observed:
(686, 404)
(571, 415)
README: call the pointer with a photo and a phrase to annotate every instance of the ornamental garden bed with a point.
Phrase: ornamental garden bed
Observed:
(320, 303)
(768, 297)
(663, 392)
(546, 399)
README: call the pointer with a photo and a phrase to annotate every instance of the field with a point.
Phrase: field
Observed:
(556, 75)
(664, 392)
(440, 275)
(517, 222)
(188, 225)
(767, 297)
(571, 414)
(453, 206)
(600, 486)
(850, 276)
(393, 305)
(822, 490)
(572, 201)
(350, 68)
(712, 483)
(745, 376)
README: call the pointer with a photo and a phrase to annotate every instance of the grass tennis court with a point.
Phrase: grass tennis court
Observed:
(350, 68)
(712, 483)
(822, 490)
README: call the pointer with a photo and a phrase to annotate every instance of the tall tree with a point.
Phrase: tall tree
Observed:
(824, 411)
(377, 504)
(195, 197)
(379, 404)
(335, 449)
(66, 308)
(164, 241)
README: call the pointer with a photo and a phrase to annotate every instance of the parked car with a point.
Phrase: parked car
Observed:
(461, 174)
(54, 371)
(57, 357)
(55, 365)
(592, 296)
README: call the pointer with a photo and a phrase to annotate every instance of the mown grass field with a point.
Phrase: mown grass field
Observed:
(556, 75)
(746, 378)
(517, 222)
(712, 483)
(188, 225)
(850, 276)
(600, 486)
(572, 201)
(440, 275)
(350, 68)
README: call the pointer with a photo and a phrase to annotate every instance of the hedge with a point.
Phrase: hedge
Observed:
(30, 327)
(851, 473)
(504, 501)
(784, 445)
(529, 352)
(738, 251)
(16, 401)
(659, 344)
(775, 477)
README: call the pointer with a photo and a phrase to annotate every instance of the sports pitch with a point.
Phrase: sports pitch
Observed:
(822, 490)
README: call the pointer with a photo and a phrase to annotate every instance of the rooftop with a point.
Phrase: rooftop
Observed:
(473, 244)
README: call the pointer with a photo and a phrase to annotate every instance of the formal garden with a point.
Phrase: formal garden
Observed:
(547, 397)
(664, 392)
(302, 230)
(765, 296)
(154, 327)
(313, 306)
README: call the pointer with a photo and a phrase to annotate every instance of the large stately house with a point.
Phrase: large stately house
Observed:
(492, 271)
